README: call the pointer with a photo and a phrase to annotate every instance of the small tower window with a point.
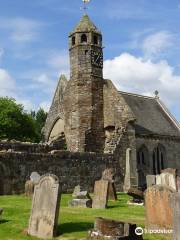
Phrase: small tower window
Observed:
(95, 39)
(83, 38)
(73, 40)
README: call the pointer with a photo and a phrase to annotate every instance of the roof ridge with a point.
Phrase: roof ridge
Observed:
(137, 95)
(168, 113)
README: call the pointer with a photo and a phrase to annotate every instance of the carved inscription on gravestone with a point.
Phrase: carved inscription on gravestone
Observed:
(100, 194)
(45, 208)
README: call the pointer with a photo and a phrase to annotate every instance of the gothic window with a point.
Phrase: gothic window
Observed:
(83, 38)
(142, 157)
(73, 40)
(158, 159)
(95, 39)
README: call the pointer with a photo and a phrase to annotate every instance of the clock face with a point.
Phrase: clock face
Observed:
(97, 58)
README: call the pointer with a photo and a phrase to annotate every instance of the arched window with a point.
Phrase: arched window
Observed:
(158, 159)
(142, 156)
(95, 39)
(73, 40)
(83, 38)
(142, 164)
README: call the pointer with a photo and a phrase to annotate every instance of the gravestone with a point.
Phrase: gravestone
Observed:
(29, 188)
(178, 183)
(45, 207)
(82, 199)
(108, 174)
(35, 177)
(167, 179)
(150, 180)
(100, 194)
(170, 170)
(111, 229)
(158, 207)
(176, 216)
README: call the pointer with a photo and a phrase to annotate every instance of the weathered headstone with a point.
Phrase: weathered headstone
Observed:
(176, 216)
(108, 174)
(178, 183)
(85, 203)
(150, 180)
(82, 199)
(158, 207)
(29, 188)
(100, 194)
(35, 177)
(167, 179)
(76, 191)
(45, 208)
(170, 170)
(111, 229)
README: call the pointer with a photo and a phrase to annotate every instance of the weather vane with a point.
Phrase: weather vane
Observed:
(85, 7)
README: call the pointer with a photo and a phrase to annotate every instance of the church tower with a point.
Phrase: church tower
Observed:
(83, 100)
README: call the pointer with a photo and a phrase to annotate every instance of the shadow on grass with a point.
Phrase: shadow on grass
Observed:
(4, 221)
(74, 227)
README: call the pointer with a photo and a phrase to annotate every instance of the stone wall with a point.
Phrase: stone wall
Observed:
(71, 168)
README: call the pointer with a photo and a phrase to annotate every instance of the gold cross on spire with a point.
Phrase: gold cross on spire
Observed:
(85, 5)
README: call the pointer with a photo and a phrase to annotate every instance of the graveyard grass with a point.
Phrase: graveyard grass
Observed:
(74, 223)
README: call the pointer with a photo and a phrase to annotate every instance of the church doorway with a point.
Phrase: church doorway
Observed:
(158, 159)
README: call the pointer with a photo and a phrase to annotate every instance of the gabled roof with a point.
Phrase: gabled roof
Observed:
(85, 25)
(152, 117)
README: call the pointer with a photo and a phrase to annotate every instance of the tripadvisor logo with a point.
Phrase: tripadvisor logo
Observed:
(139, 231)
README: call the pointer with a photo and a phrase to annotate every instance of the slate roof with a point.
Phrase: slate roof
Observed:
(86, 25)
(152, 117)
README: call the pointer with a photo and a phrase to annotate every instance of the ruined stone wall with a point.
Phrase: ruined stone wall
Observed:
(127, 143)
(172, 150)
(71, 168)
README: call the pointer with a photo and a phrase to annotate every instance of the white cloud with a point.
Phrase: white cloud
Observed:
(21, 29)
(59, 61)
(44, 83)
(155, 43)
(133, 74)
(7, 84)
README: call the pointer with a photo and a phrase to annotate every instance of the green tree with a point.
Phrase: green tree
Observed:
(15, 123)
(40, 118)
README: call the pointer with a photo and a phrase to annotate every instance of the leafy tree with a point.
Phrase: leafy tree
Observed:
(15, 123)
(40, 118)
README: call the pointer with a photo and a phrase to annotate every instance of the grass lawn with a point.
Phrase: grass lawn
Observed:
(74, 223)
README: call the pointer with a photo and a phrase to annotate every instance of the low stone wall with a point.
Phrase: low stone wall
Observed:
(16, 146)
(71, 168)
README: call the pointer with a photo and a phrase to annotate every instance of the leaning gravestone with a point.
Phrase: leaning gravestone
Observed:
(45, 207)
(100, 194)
(108, 174)
(158, 207)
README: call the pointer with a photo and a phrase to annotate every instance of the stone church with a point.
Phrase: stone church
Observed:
(88, 114)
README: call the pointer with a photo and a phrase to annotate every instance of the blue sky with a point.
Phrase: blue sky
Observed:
(141, 40)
